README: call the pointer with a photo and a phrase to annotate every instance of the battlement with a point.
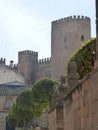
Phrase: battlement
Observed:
(45, 60)
(71, 18)
(27, 52)
(2, 61)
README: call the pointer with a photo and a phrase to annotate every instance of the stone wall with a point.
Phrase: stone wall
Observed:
(80, 105)
(44, 68)
(52, 120)
(67, 35)
(80, 111)
(8, 95)
(4, 110)
(32, 68)
(27, 65)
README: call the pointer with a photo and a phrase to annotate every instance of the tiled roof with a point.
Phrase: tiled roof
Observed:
(15, 83)
(13, 90)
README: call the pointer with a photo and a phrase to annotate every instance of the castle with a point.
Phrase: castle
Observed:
(76, 106)
(67, 35)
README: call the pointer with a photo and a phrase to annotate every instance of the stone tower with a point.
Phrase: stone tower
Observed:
(27, 65)
(67, 35)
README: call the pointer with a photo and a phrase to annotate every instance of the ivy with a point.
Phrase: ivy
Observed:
(84, 58)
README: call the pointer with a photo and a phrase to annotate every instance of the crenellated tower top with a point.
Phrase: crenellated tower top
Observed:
(28, 52)
(72, 18)
(44, 61)
(2, 61)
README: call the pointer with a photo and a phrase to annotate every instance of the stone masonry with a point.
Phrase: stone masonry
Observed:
(79, 106)
(67, 35)
(80, 101)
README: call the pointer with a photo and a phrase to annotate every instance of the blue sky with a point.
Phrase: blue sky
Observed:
(26, 24)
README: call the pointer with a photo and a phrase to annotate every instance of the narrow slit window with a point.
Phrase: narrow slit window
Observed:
(82, 38)
(65, 40)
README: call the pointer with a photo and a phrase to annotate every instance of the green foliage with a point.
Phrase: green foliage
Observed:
(15, 116)
(11, 120)
(84, 58)
(24, 101)
(26, 104)
(25, 107)
(42, 91)
(22, 110)
(31, 103)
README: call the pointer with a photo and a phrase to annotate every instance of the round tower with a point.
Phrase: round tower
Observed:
(27, 65)
(67, 35)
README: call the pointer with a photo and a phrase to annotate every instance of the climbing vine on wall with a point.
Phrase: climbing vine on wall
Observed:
(84, 58)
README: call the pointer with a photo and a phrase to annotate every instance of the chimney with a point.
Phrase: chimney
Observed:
(11, 63)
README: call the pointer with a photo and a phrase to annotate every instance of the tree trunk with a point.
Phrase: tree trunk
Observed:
(25, 125)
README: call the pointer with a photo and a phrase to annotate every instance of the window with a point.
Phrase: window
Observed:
(65, 39)
(82, 38)
(9, 102)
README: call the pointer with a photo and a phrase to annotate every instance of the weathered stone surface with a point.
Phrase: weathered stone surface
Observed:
(80, 106)
(65, 39)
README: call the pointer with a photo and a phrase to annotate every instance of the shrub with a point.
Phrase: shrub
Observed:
(84, 58)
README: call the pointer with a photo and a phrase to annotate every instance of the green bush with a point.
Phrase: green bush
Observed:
(84, 58)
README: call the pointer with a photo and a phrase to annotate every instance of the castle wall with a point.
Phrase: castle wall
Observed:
(67, 35)
(27, 65)
(80, 105)
(52, 120)
(83, 106)
(44, 68)
(9, 75)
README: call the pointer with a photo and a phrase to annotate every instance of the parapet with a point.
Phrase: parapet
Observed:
(45, 60)
(2, 61)
(71, 18)
(27, 52)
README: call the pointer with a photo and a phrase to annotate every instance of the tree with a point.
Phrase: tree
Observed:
(42, 92)
(25, 107)
(84, 58)
(24, 100)
(12, 122)
(15, 117)
(30, 103)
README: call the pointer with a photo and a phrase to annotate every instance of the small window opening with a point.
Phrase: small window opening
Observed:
(82, 38)
(65, 39)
